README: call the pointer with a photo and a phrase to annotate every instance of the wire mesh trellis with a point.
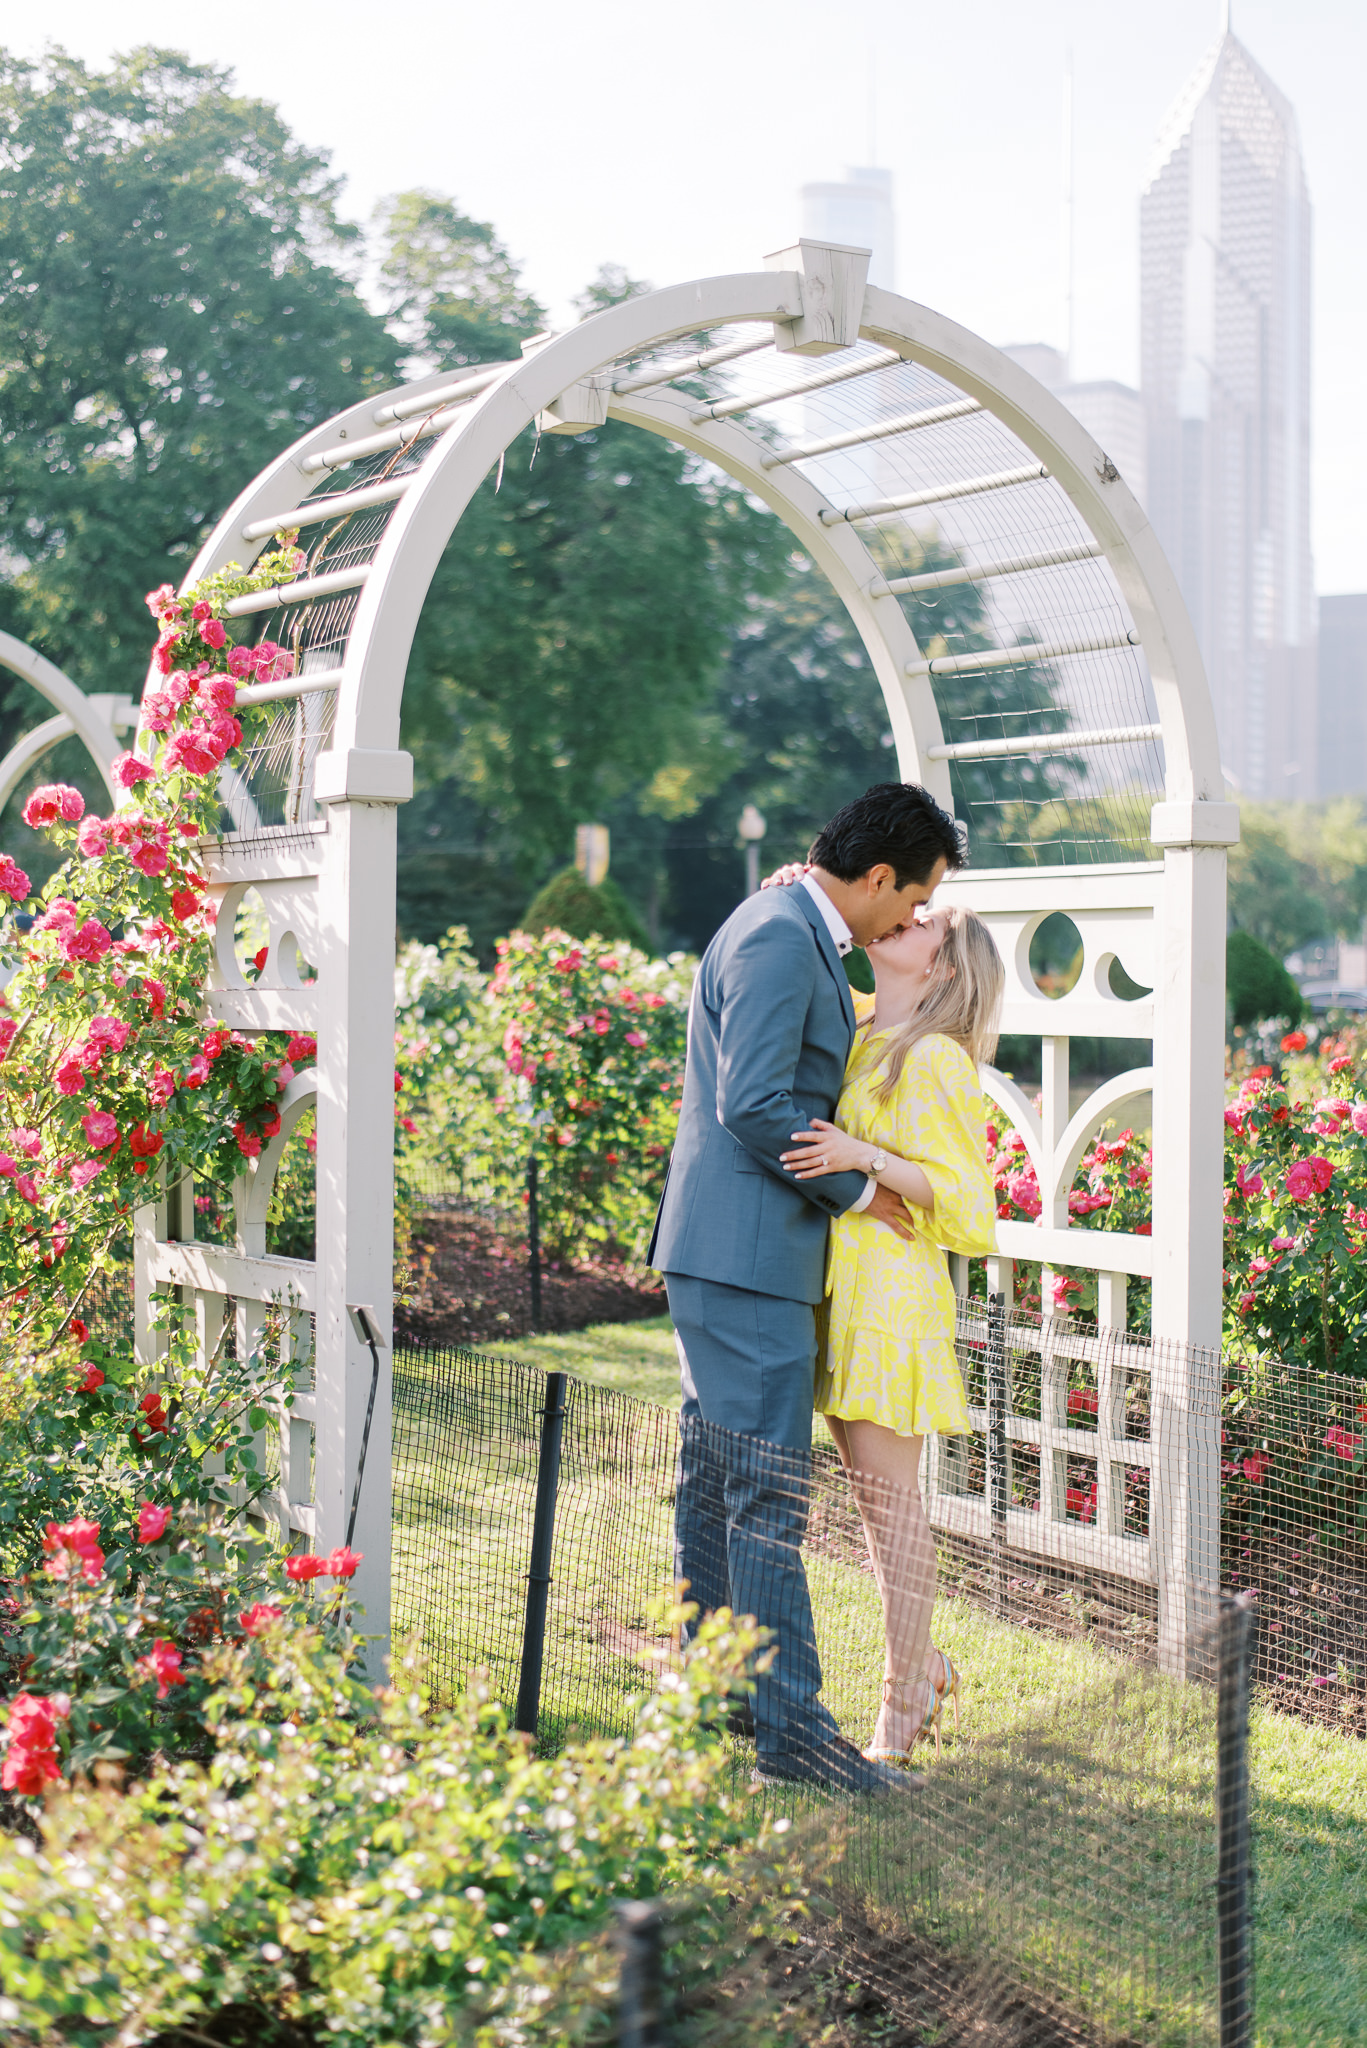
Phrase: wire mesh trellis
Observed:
(1063, 1859)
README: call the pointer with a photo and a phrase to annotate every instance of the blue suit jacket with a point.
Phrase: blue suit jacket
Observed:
(769, 1031)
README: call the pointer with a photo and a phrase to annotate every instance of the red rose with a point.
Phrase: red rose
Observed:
(31, 1757)
(163, 1663)
(259, 1616)
(152, 1522)
(305, 1567)
(342, 1562)
(93, 1380)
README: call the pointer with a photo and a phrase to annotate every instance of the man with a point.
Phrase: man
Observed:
(742, 1245)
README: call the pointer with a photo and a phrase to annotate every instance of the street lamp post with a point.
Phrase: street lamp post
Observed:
(752, 829)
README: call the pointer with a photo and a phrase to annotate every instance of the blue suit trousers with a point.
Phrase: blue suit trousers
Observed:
(747, 1364)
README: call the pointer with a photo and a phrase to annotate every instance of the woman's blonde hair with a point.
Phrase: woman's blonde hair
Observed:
(963, 1000)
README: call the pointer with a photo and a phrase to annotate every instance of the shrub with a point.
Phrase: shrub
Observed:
(1257, 985)
(107, 1073)
(403, 1881)
(135, 1530)
(571, 1049)
(568, 903)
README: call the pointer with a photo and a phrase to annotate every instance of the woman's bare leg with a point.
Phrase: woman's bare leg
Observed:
(884, 1471)
(921, 1565)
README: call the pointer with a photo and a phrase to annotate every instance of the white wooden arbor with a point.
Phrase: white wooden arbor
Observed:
(97, 721)
(904, 419)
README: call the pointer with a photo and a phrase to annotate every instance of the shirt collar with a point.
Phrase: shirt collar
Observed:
(830, 916)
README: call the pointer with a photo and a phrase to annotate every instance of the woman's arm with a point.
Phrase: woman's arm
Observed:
(839, 1153)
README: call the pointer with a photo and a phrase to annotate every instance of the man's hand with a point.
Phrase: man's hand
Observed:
(886, 1207)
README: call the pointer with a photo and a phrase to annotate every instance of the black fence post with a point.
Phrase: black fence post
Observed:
(534, 1240)
(639, 1926)
(998, 1475)
(539, 1570)
(1234, 1884)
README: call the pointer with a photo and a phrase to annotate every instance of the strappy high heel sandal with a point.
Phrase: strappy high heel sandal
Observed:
(894, 1694)
(948, 1688)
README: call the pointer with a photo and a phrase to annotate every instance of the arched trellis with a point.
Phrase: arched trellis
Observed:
(98, 721)
(930, 422)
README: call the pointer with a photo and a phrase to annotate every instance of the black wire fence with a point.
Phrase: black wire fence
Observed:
(1075, 1866)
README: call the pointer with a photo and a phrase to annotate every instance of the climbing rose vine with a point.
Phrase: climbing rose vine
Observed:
(108, 1071)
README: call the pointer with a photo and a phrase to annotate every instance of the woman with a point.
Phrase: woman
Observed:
(911, 1113)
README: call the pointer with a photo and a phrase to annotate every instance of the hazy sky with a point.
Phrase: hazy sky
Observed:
(674, 140)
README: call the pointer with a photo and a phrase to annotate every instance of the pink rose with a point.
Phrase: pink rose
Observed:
(110, 1031)
(163, 1087)
(217, 693)
(85, 1172)
(158, 599)
(158, 711)
(69, 1077)
(203, 610)
(100, 1127)
(1283, 1244)
(241, 662)
(636, 1038)
(1300, 1181)
(179, 688)
(14, 883)
(93, 837)
(30, 1143)
(164, 653)
(189, 751)
(152, 1522)
(149, 858)
(1360, 1119)
(91, 942)
(55, 800)
(211, 632)
(129, 771)
(1322, 1171)
(273, 664)
(1235, 1121)
(1250, 1185)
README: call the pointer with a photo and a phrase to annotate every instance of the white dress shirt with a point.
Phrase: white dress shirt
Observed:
(844, 943)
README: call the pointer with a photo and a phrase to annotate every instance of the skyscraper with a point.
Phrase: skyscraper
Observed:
(1225, 351)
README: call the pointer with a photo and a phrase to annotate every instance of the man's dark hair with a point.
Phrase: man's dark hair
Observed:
(896, 822)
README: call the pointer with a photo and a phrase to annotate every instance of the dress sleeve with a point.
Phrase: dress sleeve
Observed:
(941, 1125)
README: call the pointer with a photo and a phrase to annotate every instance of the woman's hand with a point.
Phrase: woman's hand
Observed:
(781, 877)
(825, 1149)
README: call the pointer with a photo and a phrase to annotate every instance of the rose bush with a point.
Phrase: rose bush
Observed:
(356, 1870)
(107, 1071)
(572, 1049)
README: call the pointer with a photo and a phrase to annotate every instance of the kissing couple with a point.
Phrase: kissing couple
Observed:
(831, 1147)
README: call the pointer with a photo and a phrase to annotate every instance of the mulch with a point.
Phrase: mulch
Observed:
(1311, 1656)
(470, 1284)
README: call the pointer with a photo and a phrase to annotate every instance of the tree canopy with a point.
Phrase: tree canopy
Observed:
(174, 308)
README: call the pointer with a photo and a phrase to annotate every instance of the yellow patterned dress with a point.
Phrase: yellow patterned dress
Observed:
(885, 1333)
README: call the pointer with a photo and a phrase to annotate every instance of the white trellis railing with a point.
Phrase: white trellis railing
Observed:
(912, 420)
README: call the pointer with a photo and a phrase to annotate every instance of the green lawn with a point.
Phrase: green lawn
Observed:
(1067, 1835)
(636, 1358)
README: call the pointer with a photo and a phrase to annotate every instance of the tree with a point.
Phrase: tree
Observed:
(1299, 872)
(452, 289)
(586, 910)
(799, 727)
(173, 310)
(1257, 985)
(567, 655)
